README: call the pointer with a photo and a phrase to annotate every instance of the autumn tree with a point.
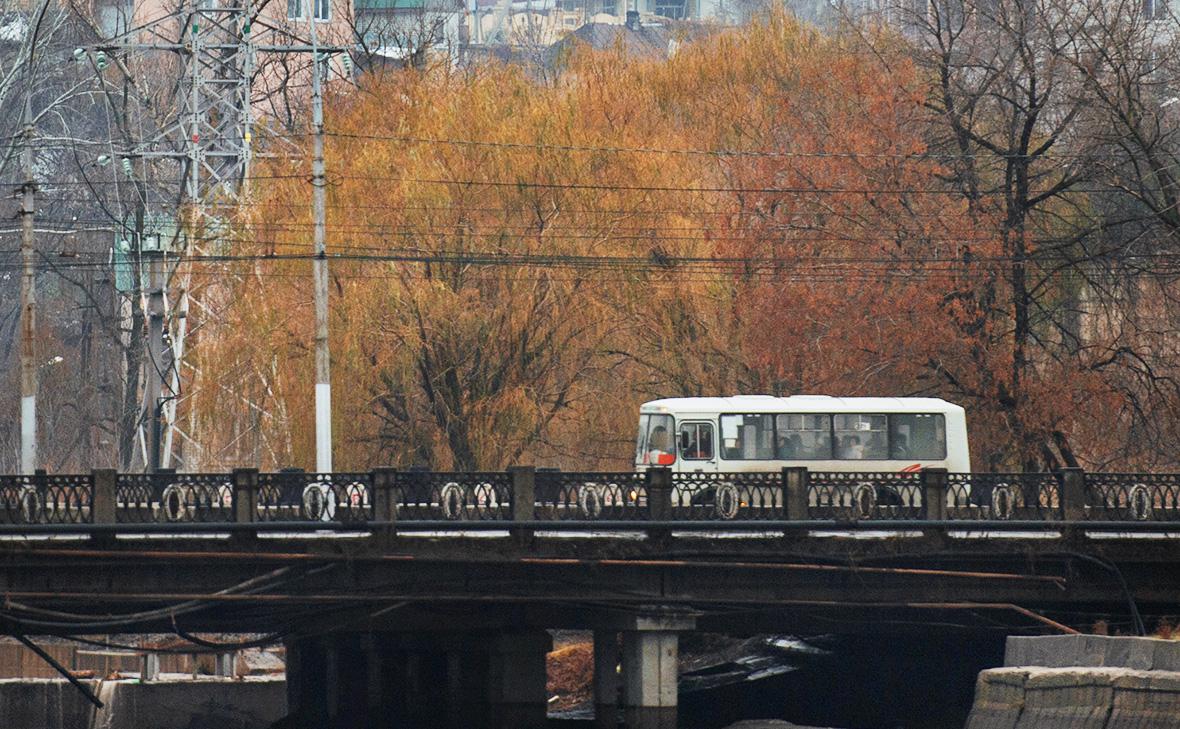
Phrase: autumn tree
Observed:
(481, 326)
(518, 263)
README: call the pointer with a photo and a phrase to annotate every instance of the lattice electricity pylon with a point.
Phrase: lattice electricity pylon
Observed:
(211, 60)
(207, 135)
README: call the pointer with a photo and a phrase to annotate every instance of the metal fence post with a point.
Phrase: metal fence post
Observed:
(524, 492)
(1073, 494)
(151, 667)
(934, 486)
(245, 495)
(659, 494)
(226, 665)
(795, 498)
(384, 496)
(102, 504)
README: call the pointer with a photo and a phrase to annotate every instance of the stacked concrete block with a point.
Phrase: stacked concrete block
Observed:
(1082, 682)
(1076, 651)
(1066, 699)
(999, 699)
(1150, 700)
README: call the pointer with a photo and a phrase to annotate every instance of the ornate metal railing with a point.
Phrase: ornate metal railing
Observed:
(1004, 496)
(792, 497)
(155, 498)
(43, 499)
(314, 497)
(865, 496)
(728, 496)
(1133, 496)
(423, 495)
(590, 496)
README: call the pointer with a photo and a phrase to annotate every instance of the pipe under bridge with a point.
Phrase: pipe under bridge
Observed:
(431, 591)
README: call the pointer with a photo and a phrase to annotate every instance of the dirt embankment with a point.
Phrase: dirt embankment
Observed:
(571, 672)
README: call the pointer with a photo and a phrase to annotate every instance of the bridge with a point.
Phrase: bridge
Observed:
(423, 597)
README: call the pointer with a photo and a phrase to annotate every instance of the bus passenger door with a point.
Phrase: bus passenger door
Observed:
(698, 447)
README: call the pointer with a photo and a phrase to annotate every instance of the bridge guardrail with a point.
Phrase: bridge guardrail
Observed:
(155, 498)
(866, 496)
(522, 495)
(728, 496)
(590, 496)
(297, 496)
(1133, 496)
(44, 499)
(1004, 496)
(451, 496)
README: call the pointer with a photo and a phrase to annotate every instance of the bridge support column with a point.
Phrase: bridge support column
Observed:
(606, 679)
(481, 680)
(651, 670)
(516, 679)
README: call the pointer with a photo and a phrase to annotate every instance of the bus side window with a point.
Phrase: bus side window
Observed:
(696, 441)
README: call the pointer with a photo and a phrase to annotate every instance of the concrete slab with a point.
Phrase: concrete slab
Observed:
(172, 703)
(1063, 651)
(192, 704)
(43, 703)
(1166, 655)
(1066, 699)
(999, 699)
(1146, 700)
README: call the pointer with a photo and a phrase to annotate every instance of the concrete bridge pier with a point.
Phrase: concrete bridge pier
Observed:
(516, 678)
(650, 670)
(484, 680)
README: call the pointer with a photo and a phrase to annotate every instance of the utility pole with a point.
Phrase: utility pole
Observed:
(208, 138)
(28, 305)
(323, 375)
(155, 365)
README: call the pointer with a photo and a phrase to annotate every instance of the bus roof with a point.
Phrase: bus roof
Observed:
(799, 404)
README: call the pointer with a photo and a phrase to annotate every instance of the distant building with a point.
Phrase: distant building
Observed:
(398, 29)
(673, 9)
(652, 38)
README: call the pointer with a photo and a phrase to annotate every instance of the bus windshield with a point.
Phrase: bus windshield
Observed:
(654, 445)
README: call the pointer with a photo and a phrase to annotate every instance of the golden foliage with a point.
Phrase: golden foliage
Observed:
(842, 266)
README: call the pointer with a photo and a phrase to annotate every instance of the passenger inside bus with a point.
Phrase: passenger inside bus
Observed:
(705, 443)
(697, 442)
(657, 444)
(790, 446)
(851, 448)
(875, 449)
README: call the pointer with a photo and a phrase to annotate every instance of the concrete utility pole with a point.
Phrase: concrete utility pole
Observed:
(28, 303)
(155, 365)
(323, 374)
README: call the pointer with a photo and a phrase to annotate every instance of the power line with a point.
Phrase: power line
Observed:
(655, 262)
(802, 190)
(532, 146)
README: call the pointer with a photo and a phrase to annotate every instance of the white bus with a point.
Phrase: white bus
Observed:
(752, 433)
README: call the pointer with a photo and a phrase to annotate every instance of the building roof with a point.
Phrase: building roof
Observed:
(801, 404)
(647, 40)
